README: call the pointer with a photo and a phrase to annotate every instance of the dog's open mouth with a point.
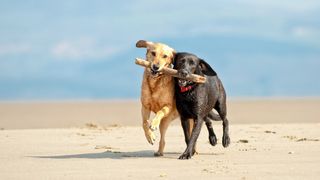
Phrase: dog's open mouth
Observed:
(183, 82)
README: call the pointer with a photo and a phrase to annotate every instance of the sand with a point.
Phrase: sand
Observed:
(21, 115)
(282, 142)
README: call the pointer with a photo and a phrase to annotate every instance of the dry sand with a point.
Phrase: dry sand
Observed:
(21, 115)
(278, 139)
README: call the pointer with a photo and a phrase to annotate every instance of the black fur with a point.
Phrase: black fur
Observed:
(198, 102)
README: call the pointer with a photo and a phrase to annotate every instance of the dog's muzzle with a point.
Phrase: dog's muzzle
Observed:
(155, 70)
(155, 73)
(182, 82)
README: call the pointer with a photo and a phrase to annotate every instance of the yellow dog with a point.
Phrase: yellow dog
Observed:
(157, 92)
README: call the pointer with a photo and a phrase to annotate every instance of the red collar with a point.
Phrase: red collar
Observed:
(186, 88)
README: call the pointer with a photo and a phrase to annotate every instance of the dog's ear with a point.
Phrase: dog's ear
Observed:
(175, 57)
(174, 53)
(143, 44)
(206, 68)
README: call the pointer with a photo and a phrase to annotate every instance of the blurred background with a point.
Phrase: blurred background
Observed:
(62, 50)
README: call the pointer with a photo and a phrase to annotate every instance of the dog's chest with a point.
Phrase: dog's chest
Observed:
(187, 104)
(161, 93)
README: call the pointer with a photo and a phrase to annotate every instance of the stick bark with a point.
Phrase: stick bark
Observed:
(172, 72)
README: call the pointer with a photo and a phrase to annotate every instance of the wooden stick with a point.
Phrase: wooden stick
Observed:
(172, 72)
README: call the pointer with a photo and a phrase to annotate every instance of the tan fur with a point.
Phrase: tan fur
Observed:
(191, 125)
(157, 93)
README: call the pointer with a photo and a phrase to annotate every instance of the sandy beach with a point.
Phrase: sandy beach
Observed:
(270, 139)
(69, 114)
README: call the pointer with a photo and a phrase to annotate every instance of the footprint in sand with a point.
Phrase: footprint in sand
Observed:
(296, 139)
(270, 132)
(104, 147)
(306, 139)
(243, 141)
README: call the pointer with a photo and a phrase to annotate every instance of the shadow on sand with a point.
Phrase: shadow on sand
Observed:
(106, 154)
(117, 155)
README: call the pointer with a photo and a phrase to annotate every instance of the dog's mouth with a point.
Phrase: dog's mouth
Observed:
(154, 73)
(183, 82)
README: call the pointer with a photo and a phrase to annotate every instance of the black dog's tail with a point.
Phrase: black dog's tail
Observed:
(213, 116)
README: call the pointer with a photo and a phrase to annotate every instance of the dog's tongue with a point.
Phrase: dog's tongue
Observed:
(185, 88)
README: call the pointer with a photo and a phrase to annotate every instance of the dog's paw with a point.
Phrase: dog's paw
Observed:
(225, 140)
(154, 127)
(213, 140)
(185, 156)
(158, 154)
(151, 138)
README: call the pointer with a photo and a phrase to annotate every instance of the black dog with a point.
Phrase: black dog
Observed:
(195, 101)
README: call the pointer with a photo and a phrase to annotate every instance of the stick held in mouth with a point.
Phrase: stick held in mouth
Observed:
(172, 72)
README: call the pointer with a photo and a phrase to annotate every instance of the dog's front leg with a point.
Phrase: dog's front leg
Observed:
(193, 139)
(145, 124)
(186, 129)
(159, 115)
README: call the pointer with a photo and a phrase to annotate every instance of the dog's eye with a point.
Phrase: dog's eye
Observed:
(153, 53)
(165, 56)
(191, 63)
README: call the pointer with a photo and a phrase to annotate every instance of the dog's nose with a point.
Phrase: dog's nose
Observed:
(183, 73)
(155, 67)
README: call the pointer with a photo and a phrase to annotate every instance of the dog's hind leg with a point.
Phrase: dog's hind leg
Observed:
(190, 128)
(221, 107)
(163, 129)
(145, 112)
(188, 125)
(213, 116)
(212, 135)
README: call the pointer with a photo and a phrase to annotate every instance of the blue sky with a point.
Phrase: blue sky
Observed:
(86, 49)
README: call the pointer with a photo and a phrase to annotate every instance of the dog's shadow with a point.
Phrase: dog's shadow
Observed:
(104, 155)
